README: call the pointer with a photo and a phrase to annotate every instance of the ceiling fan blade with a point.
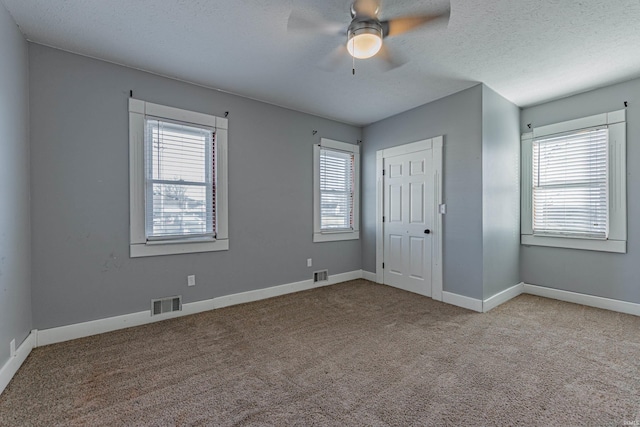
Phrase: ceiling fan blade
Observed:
(366, 8)
(394, 27)
(335, 59)
(390, 59)
(299, 21)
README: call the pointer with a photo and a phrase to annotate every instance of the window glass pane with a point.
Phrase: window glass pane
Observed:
(178, 210)
(334, 210)
(336, 189)
(179, 170)
(570, 191)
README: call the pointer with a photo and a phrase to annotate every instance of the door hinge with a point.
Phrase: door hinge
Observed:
(383, 171)
(383, 265)
(382, 219)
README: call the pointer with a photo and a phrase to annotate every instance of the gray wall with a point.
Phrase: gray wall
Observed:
(80, 189)
(595, 273)
(500, 192)
(459, 118)
(15, 266)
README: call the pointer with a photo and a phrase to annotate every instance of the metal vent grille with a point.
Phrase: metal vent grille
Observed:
(166, 305)
(320, 276)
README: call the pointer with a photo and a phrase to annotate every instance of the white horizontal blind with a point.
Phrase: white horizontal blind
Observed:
(180, 191)
(336, 189)
(570, 191)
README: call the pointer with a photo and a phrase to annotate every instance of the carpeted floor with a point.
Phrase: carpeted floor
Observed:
(350, 354)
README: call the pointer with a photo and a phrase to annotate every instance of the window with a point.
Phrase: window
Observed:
(336, 191)
(178, 185)
(574, 184)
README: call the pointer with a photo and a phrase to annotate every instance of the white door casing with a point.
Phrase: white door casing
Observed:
(409, 197)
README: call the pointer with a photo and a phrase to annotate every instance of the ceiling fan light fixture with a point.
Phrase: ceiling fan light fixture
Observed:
(364, 41)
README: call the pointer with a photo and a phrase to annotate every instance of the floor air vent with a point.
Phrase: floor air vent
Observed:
(320, 276)
(166, 305)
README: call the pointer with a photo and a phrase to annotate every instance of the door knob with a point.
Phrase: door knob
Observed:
(427, 231)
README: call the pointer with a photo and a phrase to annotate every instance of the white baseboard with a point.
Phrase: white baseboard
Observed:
(94, 327)
(590, 300)
(525, 288)
(502, 297)
(462, 301)
(275, 291)
(13, 364)
(367, 275)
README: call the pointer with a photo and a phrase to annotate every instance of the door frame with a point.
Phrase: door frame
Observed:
(435, 144)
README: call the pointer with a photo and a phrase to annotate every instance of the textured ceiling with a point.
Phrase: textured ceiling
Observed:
(529, 51)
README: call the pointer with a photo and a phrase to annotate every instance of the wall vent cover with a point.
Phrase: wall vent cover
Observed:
(320, 276)
(166, 305)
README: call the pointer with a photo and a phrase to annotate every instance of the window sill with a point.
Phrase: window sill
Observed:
(336, 236)
(173, 248)
(617, 246)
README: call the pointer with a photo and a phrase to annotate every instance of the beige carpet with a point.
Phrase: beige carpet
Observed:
(350, 354)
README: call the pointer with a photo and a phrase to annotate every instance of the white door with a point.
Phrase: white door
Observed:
(408, 221)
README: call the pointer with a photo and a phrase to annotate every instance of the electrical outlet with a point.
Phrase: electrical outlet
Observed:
(12, 347)
(191, 280)
(309, 262)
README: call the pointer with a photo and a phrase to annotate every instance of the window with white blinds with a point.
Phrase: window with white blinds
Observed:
(570, 184)
(180, 180)
(336, 197)
(178, 190)
(336, 189)
(574, 184)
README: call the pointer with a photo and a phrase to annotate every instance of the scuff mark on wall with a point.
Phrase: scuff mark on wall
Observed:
(112, 263)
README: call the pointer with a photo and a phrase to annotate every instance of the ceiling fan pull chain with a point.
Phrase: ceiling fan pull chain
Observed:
(353, 59)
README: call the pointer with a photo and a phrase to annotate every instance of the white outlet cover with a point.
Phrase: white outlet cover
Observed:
(191, 280)
(309, 262)
(12, 348)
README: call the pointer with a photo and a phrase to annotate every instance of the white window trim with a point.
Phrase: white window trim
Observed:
(617, 239)
(139, 246)
(332, 236)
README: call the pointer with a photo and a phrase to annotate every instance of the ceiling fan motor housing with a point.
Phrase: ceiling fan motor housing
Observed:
(368, 11)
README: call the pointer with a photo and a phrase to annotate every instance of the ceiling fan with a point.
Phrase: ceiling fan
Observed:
(366, 32)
